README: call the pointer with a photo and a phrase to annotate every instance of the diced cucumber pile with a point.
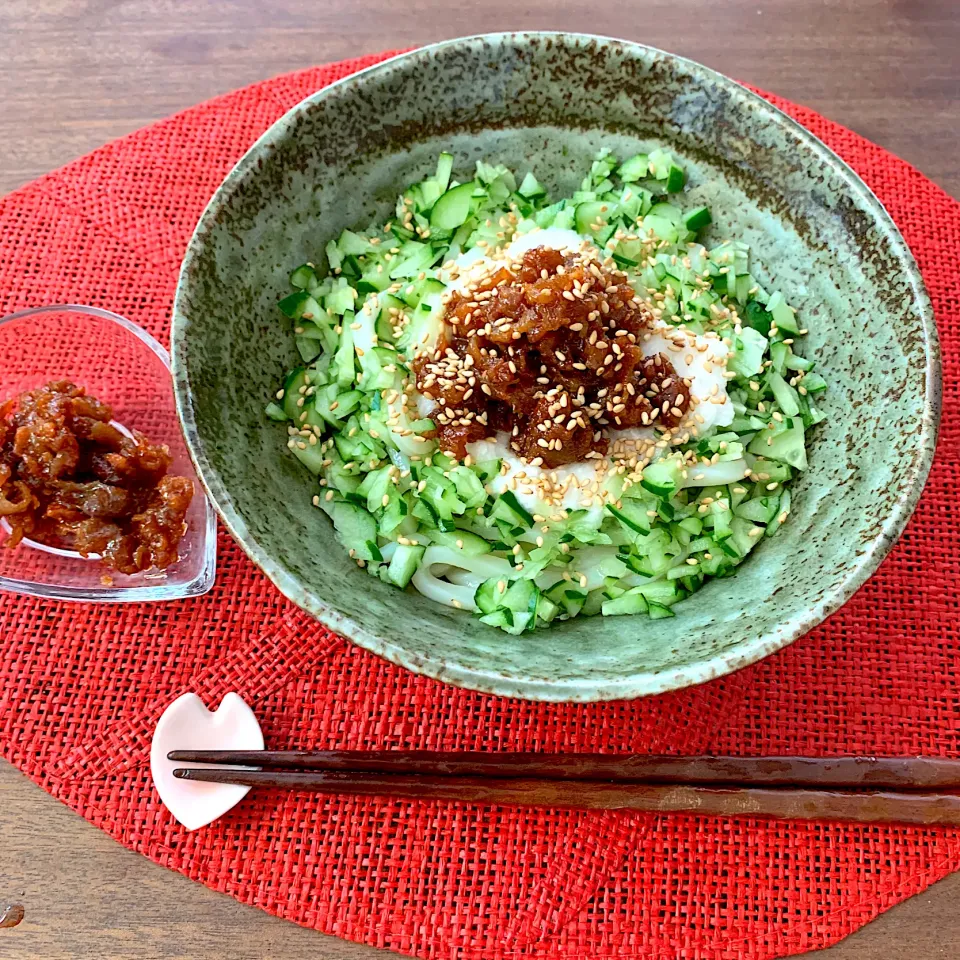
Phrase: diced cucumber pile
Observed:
(411, 515)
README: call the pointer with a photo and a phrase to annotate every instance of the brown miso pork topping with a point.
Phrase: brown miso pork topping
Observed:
(70, 479)
(550, 350)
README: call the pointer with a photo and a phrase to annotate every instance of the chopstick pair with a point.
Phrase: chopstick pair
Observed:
(917, 790)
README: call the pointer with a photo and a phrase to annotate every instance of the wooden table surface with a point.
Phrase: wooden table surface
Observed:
(76, 74)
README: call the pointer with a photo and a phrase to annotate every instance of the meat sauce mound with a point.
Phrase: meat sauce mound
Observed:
(550, 350)
(70, 479)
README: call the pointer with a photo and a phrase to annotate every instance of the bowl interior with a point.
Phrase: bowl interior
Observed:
(548, 102)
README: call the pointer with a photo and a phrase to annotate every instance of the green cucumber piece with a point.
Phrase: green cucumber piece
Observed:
(345, 371)
(798, 363)
(546, 609)
(341, 297)
(308, 348)
(697, 219)
(760, 510)
(569, 599)
(747, 357)
(294, 304)
(338, 476)
(662, 477)
(516, 609)
(351, 244)
(521, 597)
(333, 255)
(626, 604)
(310, 456)
(784, 394)
(356, 529)
(635, 168)
(663, 592)
(489, 595)
(676, 178)
(374, 486)
(668, 212)
(782, 512)
(292, 383)
(784, 442)
(530, 188)
(444, 169)
(740, 539)
(303, 277)
(657, 611)
(633, 517)
(453, 207)
(509, 509)
(778, 356)
(721, 515)
(404, 564)
(783, 316)
(587, 214)
(662, 228)
(659, 164)
(467, 543)
(412, 259)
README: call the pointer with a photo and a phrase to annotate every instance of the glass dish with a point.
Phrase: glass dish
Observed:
(122, 365)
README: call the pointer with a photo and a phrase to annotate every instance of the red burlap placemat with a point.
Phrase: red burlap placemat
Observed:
(81, 686)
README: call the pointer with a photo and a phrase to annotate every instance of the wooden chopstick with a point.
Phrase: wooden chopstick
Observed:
(899, 773)
(929, 808)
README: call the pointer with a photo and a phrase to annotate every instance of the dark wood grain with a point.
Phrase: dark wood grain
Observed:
(926, 809)
(76, 74)
(898, 773)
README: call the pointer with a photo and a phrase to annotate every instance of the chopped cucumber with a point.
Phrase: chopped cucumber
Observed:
(627, 603)
(636, 168)
(663, 477)
(303, 277)
(356, 529)
(453, 208)
(783, 441)
(530, 188)
(783, 315)
(697, 219)
(676, 178)
(444, 169)
(292, 384)
(591, 216)
(469, 543)
(660, 533)
(784, 394)
(404, 564)
(490, 594)
(508, 508)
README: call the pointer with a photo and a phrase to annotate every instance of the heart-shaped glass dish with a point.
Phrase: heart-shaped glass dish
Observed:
(122, 365)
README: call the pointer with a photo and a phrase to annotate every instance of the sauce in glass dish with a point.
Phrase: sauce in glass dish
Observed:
(71, 479)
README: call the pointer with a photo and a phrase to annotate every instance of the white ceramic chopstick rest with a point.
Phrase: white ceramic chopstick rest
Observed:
(188, 725)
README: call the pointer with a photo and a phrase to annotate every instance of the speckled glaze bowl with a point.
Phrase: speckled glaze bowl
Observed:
(550, 101)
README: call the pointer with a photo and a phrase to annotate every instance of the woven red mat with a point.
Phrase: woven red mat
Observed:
(81, 686)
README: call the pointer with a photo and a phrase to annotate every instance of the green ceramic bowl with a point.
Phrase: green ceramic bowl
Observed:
(550, 101)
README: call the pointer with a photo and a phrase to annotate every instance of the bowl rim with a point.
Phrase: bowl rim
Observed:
(746, 652)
